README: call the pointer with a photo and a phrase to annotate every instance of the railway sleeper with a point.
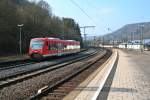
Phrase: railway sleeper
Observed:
(75, 80)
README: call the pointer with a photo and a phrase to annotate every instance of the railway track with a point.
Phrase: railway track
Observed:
(25, 62)
(61, 88)
(13, 64)
(12, 71)
(13, 79)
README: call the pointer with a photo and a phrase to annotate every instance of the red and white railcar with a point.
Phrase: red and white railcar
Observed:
(42, 47)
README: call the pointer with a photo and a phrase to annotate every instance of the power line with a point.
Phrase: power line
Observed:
(73, 2)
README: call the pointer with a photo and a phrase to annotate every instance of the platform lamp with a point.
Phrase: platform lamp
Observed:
(20, 40)
(141, 38)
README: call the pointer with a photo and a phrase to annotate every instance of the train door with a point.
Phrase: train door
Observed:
(45, 48)
(59, 45)
(52, 47)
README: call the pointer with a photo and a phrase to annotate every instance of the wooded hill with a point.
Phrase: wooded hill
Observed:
(38, 20)
(131, 32)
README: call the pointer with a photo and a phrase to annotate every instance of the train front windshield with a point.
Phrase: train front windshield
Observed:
(36, 44)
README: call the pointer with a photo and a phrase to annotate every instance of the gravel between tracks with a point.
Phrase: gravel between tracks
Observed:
(12, 71)
(29, 87)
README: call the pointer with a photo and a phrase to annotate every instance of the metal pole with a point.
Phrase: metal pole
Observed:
(132, 39)
(103, 42)
(84, 27)
(141, 35)
(63, 30)
(20, 42)
(126, 39)
(94, 41)
(141, 41)
(84, 37)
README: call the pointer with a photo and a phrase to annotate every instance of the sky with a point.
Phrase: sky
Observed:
(102, 14)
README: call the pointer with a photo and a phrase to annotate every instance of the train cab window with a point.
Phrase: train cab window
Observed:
(36, 44)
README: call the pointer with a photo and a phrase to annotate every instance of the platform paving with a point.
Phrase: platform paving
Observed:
(89, 89)
(130, 80)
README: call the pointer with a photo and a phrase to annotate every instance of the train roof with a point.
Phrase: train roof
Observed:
(51, 38)
(38, 38)
(70, 40)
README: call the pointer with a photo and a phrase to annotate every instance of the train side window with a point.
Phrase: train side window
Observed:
(59, 46)
(52, 47)
(49, 47)
(62, 46)
(55, 47)
(65, 46)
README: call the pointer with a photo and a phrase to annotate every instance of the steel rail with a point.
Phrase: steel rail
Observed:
(33, 70)
(24, 62)
(52, 87)
(19, 78)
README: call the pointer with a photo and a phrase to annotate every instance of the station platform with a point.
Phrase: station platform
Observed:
(124, 77)
(131, 78)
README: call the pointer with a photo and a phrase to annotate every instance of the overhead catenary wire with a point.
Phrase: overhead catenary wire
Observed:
(84, 12)
(73, 2)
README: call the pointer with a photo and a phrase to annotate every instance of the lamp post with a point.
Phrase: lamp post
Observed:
(141, 38)
(132, 39)
(110, 31)
(20, 40)
(103, 39)
(126, 45)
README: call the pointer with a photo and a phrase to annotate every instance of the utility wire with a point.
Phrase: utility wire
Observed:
(73, 2)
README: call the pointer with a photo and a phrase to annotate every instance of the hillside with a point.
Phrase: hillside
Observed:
(131, 32)
(38, 21)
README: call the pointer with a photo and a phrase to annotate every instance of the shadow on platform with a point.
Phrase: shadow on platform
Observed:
(105, 90)
(115, 89)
